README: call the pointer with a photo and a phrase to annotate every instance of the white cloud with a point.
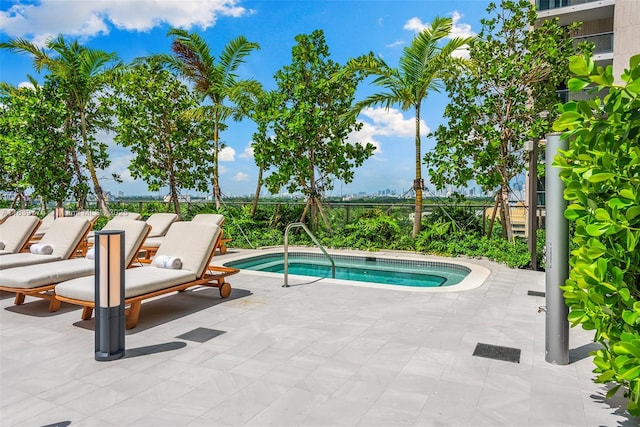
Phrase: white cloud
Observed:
(85, 19)
(120, 166)
(414, 24)
(241, 176)
(385, 123)
(227, 154)
(459, 29)
(247, 153)
(26, 84)
(396, 43)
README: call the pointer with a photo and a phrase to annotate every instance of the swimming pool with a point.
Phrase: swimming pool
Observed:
(396, 272)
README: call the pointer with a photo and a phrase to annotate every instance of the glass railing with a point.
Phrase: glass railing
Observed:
(603, 42)
(584, 95)
(554, 4)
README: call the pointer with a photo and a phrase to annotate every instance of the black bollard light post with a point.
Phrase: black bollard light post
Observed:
(109, 295)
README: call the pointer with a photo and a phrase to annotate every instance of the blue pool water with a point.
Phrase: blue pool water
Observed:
(416, 273)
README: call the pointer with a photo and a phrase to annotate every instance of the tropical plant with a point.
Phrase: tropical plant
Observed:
(601, 171)
(35, 150)
(421, 69)
(149, 103)
(81, 73)
(217, 82)
(505, 98)
(309, 148)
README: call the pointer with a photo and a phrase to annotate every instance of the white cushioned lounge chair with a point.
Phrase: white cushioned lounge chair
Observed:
(16, 232)
(152, 244)
(160, 223)
(63, 238)
(44, 226)
(6, 213)
(133, 216)
(190, 243)
(39, 280)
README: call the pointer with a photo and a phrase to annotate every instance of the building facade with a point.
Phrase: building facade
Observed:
(613, 26)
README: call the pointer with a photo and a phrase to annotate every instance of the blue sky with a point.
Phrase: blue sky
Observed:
(135, 28)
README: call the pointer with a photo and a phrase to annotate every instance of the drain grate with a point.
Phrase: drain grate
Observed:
(200, 334)
(536, 293)
(497, 352)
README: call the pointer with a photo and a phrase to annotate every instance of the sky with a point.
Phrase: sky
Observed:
(135, 28)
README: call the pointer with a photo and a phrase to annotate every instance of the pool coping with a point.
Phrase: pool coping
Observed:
(477, 276)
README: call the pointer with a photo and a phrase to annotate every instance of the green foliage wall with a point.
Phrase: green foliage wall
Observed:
(601, 171)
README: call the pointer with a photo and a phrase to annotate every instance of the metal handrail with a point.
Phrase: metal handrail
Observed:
(286, 250)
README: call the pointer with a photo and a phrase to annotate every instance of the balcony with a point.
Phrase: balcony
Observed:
(568, 11)
(554, 4)
(603, 42)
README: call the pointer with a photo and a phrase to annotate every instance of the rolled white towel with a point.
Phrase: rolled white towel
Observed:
(91, 253)
(41, 249)
(1, 246)
(166, 261)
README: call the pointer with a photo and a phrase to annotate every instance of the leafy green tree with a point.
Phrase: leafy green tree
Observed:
(309, 147)
(261, 112)
(80, 71)
(601, 171)
(216, 81)
(498, 104)
(150, 104)
(421, 69)
(35, 149)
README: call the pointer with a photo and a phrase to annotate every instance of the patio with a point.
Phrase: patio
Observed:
(314, 354)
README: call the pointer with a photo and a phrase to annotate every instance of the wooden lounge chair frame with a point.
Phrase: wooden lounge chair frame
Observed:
(212, 276)
(44, 291)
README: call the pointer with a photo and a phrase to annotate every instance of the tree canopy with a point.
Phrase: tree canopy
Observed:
(310, 146)
(505, 98)
(421, 68)
(150, 104)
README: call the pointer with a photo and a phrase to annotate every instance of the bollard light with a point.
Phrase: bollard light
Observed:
(58, 212)
(109, 295)
(557, 257)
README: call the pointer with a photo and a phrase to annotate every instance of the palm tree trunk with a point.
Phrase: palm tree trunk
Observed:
(418, 183)
(254, 205)
(102, 203)
(80, 189)
(216, 169)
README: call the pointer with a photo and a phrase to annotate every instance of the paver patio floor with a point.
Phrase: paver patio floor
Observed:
(314, 354)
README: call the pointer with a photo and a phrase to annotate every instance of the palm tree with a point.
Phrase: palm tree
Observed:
(421, 69)
(81, 72)
(216, 81)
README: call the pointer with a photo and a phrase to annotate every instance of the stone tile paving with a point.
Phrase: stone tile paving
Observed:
(319, 354)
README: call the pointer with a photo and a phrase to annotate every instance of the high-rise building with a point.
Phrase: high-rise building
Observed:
(613, 26)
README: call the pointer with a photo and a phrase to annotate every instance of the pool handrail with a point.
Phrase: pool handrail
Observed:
(286, 250)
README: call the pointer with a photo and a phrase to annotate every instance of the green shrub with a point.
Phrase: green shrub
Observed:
(601, 171)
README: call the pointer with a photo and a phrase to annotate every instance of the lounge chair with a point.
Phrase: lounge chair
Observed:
(16, 232)
(190, 243)
(133, 216)
(128, 215)
(160, 223)
(152, 244)
(217, 219)
(40, 280)
(60, 242)
(6, 213)
(44, 226)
